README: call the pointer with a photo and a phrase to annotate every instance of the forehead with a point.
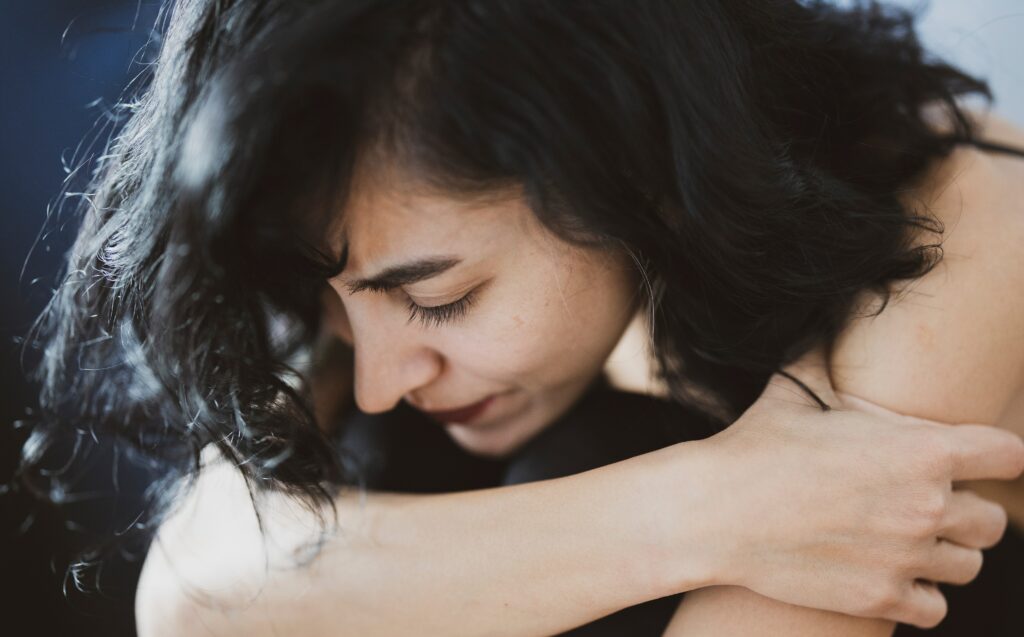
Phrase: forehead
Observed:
(388, 219)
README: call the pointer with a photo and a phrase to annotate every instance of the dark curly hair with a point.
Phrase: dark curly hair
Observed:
(750, 155)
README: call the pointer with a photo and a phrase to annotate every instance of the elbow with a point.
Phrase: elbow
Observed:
(203, 563)
(161, 606)
(211, 570)
(196, 590)
(176, 596)
(165, 606)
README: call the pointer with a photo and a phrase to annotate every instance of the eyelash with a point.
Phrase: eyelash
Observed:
(439, 315)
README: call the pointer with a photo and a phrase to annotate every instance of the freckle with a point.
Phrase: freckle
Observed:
(925, 336)
(518, 320)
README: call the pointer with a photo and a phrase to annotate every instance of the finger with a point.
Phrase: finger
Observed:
(861, 404)
(850, 401)
(981, 452)
(925, 606)
(973, 521)
(952, 564)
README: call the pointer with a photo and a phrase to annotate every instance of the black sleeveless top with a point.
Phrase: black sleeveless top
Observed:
(404, 451)
(993, 147)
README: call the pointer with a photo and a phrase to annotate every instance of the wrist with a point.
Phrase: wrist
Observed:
(685, 538)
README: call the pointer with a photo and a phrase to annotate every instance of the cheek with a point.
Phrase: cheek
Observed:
(559, 335)
(515, 346)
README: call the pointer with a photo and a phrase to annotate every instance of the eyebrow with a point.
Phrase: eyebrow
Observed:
(404, 274)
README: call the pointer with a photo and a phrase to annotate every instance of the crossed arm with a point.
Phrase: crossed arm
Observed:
(949, 347)
(543, 557)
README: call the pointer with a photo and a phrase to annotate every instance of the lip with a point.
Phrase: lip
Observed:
(462, 415)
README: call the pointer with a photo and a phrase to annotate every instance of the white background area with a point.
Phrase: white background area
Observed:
(983, 37)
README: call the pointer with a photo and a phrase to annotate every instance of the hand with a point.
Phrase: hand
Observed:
(850, 511)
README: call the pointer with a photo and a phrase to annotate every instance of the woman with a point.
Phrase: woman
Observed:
(485, 218)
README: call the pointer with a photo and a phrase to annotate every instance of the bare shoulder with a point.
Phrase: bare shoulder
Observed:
(949, 346)
(988, 185)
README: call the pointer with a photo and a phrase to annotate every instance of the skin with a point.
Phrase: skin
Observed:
(541, 315)
(961, 318)
(545, 318)
(553, 285)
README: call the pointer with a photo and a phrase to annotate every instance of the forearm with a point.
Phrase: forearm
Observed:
(731, 610)
(533, 559)
(786, 502)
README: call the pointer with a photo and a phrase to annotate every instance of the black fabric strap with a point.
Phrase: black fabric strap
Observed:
(994, 147)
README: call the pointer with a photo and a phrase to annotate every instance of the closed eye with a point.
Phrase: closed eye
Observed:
(438, 315)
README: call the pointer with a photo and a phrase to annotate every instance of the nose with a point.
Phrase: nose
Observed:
(390, 361)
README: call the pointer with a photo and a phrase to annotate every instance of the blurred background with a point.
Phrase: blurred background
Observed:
(63, 67)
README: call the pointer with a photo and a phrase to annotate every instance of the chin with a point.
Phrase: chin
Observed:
(483, 444)
(504, 437)
(496, 441)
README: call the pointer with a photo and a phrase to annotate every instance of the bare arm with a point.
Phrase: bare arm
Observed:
(538, 558)
(532, 559)
(949, 349)
(733, 610)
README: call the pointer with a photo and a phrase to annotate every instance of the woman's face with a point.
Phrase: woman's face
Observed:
(473, 309)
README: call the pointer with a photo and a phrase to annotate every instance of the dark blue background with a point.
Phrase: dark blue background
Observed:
(63, 64)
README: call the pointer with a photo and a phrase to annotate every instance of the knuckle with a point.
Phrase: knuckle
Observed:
(911, 561)
(937, 454)
(933, 508)
(884, 601)
(928, 516)
(863, 597)
(903, 564)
